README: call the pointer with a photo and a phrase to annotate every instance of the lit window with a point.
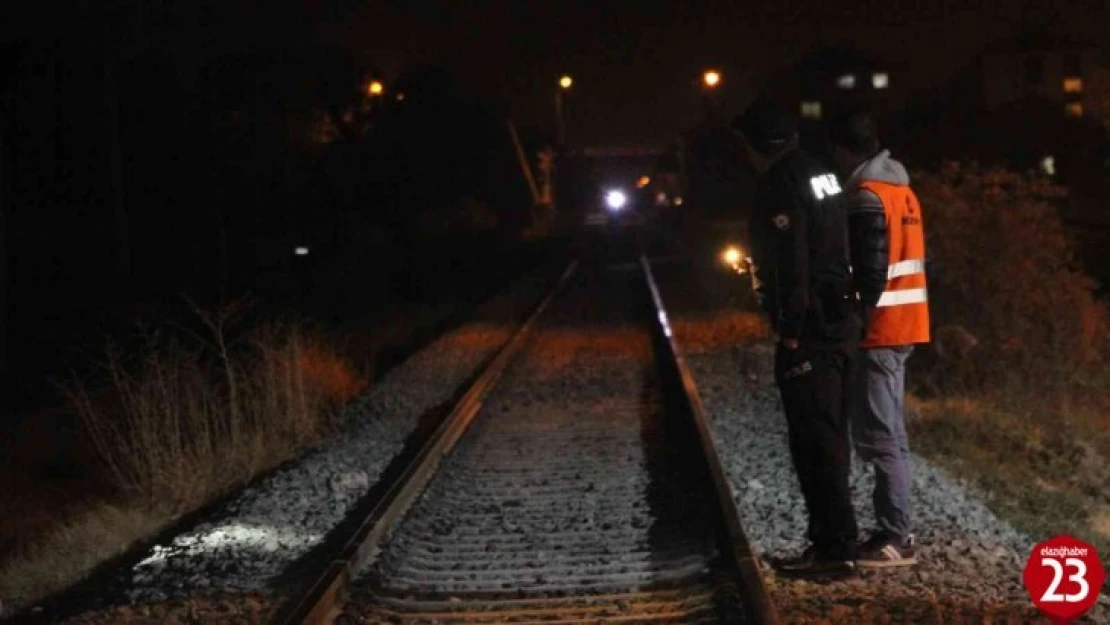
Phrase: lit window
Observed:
(811, 110)
(847, 81)
(880, 80)
(1073, 84)
(1073, 109)
(1048, 165)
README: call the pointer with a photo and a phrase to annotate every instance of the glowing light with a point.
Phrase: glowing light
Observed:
(1073, 109)
(375, 88)
(1073, 84)
(731, 255)
(1048, 165)
(400, 97)
(300, 250)
(734, 257)
(643, 182)
(847, 81)
(616, 199)
(566, 81)
(660, 198)
(811, 110)
(880, 80)
(678, 201)
(711, 78)
(665, 323)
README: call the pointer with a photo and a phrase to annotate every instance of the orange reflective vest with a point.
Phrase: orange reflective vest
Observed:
(902, 315)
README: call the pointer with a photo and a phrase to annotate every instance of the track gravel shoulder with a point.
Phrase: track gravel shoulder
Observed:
(970, 561)
(234, 559)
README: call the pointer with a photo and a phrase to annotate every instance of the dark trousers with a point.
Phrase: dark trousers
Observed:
(816, 384)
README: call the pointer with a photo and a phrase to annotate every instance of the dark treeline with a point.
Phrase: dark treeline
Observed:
(154, 149)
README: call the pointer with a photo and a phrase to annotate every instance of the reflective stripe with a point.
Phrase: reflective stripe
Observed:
(903, 296)
(904, 268)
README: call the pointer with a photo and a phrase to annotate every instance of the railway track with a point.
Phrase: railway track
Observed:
(575, 482)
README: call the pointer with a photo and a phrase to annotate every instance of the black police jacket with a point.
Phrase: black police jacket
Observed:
(801, 254)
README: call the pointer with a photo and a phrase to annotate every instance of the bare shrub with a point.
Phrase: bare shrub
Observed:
(185, 418)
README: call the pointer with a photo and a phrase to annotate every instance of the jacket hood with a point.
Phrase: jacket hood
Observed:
(881, 168)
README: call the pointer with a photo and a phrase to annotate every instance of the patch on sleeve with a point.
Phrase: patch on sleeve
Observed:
(782, 222)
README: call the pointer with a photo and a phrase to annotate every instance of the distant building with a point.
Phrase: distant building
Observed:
(1038, 66)
(837, 76)
(1098, 94)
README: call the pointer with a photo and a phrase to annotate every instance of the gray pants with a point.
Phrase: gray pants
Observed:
(879, 434)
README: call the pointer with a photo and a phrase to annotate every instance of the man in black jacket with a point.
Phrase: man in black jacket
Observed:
(801, 254)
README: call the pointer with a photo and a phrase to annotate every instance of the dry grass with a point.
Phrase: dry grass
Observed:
(184, 421)
(179, 420)
(1047, 481)
(76, 547)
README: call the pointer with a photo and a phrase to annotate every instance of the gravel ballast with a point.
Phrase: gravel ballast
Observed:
(970, 561)
(278, 520)
(565, 501)
(260, 532)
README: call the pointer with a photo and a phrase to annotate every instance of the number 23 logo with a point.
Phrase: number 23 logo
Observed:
(1079, 577)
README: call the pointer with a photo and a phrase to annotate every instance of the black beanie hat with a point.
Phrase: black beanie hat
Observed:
(856, 130)
(766, 126)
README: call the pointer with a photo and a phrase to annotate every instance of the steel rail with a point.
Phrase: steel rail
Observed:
(320, 599)
(758, 606)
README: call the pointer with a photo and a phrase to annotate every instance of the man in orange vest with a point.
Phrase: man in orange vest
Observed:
(888, 263)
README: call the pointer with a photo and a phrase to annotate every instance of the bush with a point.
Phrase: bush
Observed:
(184, 418)
(1002, 271)
(1018, 364)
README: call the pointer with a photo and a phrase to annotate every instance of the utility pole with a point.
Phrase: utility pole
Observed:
(559, 117)
(565, 83)
(526, 168)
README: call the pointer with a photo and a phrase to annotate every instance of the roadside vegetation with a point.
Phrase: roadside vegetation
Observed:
(1014, 393)
(177, 418)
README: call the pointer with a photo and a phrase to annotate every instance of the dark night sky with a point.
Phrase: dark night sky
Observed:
(636, 63)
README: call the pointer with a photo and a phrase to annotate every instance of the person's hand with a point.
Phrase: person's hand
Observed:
(865, 321)
(789, 343)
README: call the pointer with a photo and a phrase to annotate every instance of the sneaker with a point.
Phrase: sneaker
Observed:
(880, 552)
(803, 559)
(809, 566)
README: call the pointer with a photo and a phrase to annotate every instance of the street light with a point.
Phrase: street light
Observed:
(565, 82)
(375, 88)
(711, 78)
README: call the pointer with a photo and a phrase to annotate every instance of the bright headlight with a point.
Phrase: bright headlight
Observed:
(616, 199)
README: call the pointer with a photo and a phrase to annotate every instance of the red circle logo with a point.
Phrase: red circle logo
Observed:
(1064, 577)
